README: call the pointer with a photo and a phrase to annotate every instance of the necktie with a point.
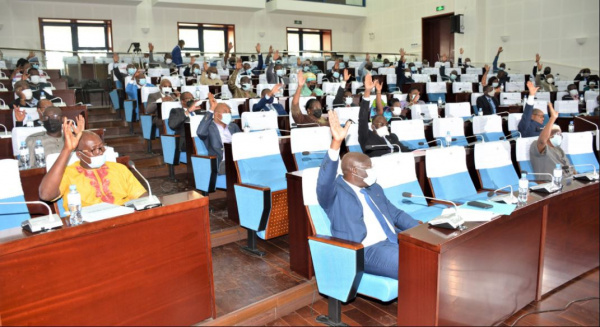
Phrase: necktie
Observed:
(492, 105)
(392, 237)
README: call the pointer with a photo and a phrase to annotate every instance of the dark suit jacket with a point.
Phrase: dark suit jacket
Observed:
(591, 78)
(208, 132)
(177, 120)
(344, 209)
(528, 127)
(366, 136)
(483, 103)
(272, 77)
(262, 105)
(176, 55)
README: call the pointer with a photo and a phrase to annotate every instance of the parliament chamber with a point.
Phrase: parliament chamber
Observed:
(167, 162)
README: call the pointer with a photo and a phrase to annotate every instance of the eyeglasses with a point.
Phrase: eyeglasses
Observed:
(380, 125)
(55, 116)
(97, 150)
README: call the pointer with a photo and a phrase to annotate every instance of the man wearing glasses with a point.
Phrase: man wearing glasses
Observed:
(52, 140)
(532, 121)
(96, 179)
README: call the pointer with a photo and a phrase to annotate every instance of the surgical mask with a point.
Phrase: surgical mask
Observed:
(249, 71)
(413, 69)
(550, 80)
(453, 77)
(407, 74)
(52, 125)
(97, 161)
(371, 176)
(246, 86)
(280, 72)
(142, 81)
(383, 131)
(556, 140)
(35, 79)
(167, 90)
(342, 65)
(36, 66)
(336, 75)
(492, 93)
(397, 111)
(468, 63)
(317, 113)
(214, 76)
(168, 61)
(386, 65)
(306, 68)
(349, 101)
(28, 94)
(226, 118)
(500, 68)
(130, 71)
(197, 71)
(495, 84)
(574, 92)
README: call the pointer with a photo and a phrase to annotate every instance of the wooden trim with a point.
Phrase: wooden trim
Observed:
(203, 157)
(227, 236)
(254, 187)
(337, 242)
(538, 293)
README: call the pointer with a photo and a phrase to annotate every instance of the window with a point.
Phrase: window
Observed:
(207, 38)
(301, 40)
(94, 36)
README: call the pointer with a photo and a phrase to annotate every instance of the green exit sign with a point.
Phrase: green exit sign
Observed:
(298, 22)
(440, 8)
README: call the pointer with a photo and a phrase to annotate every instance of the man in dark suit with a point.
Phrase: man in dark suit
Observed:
(266, 101)
(179, 116)
(165, 94)
(488, 103)
(532, 121)
(404, 78)
(358, 208)
(215, 129)
(376, 141)
(587, 78)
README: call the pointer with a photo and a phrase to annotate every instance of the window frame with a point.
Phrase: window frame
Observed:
(201, 27)
(74, 24)
(310, 31)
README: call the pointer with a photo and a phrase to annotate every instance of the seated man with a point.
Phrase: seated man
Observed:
(167, 62)
(335, 75)
(547, 84)
(165, 94)
(589, 80)
(311, 88)
(307, 66)
(314, 110)
(96, 179)
(546, 153)
(376, 141)
(179, 116)
(246, 90)
(35, 83)
(26, 97)
(192, 70)
(573, 93)
(532, 121)
(467, 63)
(358, 208)
(276, 72)
(215, 129)
(405, 77)
(52, 139)
(266, 102)
(488, 103)
(210, 76)
(41, 106)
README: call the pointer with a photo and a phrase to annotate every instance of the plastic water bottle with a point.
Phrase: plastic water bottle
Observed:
(440, 103)
(40, 157)
(246, 128)
(571, 127)
(42, 95)
(24, 156)
(480, 112)
(448, 138)
(523, 189)
(74, 201)
(558, 175)
(197, 94)
(29, 121)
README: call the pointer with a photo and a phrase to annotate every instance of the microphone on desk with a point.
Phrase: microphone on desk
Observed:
(453, 221)
(44, 223)
(548, 187)
(597, 131)
(59, 104)
(507, 198)
(587, 176)
(144, 203)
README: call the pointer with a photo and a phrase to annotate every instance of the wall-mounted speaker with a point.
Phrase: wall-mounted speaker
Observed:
(457, 24)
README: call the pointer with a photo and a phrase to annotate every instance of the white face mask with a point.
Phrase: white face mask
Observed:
(556, 140)
(468, 63)
(226, 118)
(97, 161)
(281, 72)
(168, 61)
(214, 76)
(574, 92)
(28, 94)
(383, 131)
(167, 90)
(349, 100)
(35, 79)
(371, 176)
(397, 111)
(550, 80)
(407, 74)
(492, 93)
(246, 86)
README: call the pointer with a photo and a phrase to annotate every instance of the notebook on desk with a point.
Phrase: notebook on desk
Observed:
(103, 211)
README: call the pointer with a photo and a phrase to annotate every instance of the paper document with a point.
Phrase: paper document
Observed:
(471, 215)
(102, 211)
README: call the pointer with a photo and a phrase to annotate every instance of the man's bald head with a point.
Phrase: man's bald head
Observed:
(89, 140)
(43, 104)
(212, 70)
(353, 168)
(53, 111)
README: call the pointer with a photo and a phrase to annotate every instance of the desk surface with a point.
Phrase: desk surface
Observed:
(150, 267)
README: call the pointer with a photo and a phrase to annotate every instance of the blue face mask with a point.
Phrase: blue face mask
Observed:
(246, 86)
(306, 68)
(278, 62)
(249, 71)
(130, 71)
(336, 75)
(556, 140)
(453, 77)
(226, 118)
(413, 69)
(197, 71)
(142, 81)
(342, 65)
(36, 66)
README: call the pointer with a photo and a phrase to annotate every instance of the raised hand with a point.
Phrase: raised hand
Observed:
(137, 73)
(368, 57)
(115, 58)
(487, 68)
(150, 47)
(337, 131)
(192, 60)
(275, 89)
(238, 65)
(553, 113)
(532, 89)
(378, 86)
(205, 66)
(19, 115)
(71, 140)
(230, 46)
(346, 75)
(257, 47)
(539, 66)
(80, 124)
(369, 83)
(31, 55)
(402, 52)
(301, 79)
(25, 76)
(212, 102)
(500, 50)
(299, 62)
(270, 50)
(336, 66)
(462, 51)
(537, 57)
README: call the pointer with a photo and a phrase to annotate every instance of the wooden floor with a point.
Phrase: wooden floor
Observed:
(365, 312)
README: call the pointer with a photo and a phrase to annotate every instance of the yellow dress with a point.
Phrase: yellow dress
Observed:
(111, 183)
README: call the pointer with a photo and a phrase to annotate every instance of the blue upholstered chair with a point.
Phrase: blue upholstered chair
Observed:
(436, 91)
(458, 110)
(204, 166)
(339, 264)
(260, 121)
(11, 215)
(448, 175)
(114, 99)
(411, 133)
(309, 146)
(149, 130)
(261, 192)
(456, 127)
(172, 154)
(513, 124)
(578, 148)
(494, 165)
(523, 158)
(489, 127)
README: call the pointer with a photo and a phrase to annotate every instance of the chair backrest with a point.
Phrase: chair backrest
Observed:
(474, 97)
(447, 172)
(462, 87)
(158, 72)
(114, 99)
(393, 183)
(146, 91)
(11, 215)
(522, 149)
(513, 121)
(346, 113)
(570, 107)
(401, 97)
(262, 79)
(352, 139)
(320, 222)
(590, 95)
(430, 111)
(487, 124)
(31, 112)
(590, 106)
(436, 87)
(410, 133)
(494, 164)
(259, 121)
(20, 134)
(454, 125)
(430, 71)
(561, 94)
(515, 86)
(392, 79)
(202, 93)
(234, 105)
(261, 87)
(518, 78)
(386, 71)
(175, 80)
(331, 88)
(226, 92)
(543, 96)
(508, 98)
(469, 78)
(563, 85)
(258, 159)
(310, 145)
(578, 148)
(459, 110)
(420, 78)
(474, 71)
(440, 64)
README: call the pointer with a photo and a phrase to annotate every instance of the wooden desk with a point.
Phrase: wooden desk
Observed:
(151, 267)
(491, 270)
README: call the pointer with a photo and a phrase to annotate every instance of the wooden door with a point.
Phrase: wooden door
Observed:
(437, 38)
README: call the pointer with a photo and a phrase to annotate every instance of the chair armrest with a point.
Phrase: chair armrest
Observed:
(337, 242)
(203, 157)
(254, 205)
(254, 187)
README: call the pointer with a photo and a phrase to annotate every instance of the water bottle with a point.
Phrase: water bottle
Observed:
(571, 127)
(40, 157)
(197, 94)
(448, 138)
(74, 201)
(246, 128)
(558, 175)
(42, 95)
(480, 112)
(24, 156)
(440, 102)
(29, 121)
(523, 189)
